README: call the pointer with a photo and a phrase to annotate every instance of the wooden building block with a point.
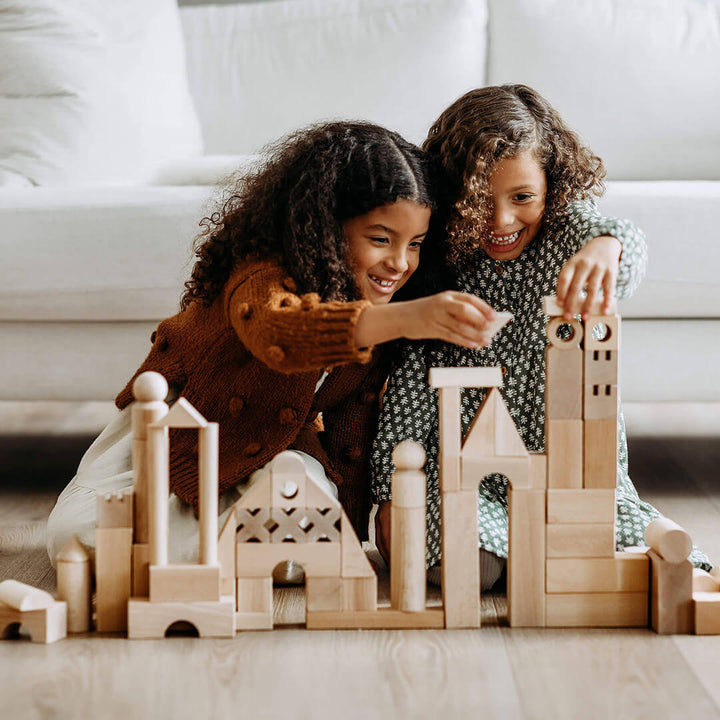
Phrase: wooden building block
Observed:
(255, 595)
(115, 509)
(670, 541)
(253, 621)
(450, 437)
(707, 613)
(475, 470)
(563, 383)
(303, 525)
(601, 367)
(324, 594)
(608, 327)
(407, 566)
(538, 474)
(381, 619)
(113, 577)
(619, 609)
(600, 402)
(20, 596)
(565, 334)
(44, 625)
(552, 308)
(671, 607)
(72, 566)
(465, 377)
(288, 480)
(582, 506)
(184, 583)
(564, 447)
(460, 567)
(353, 560)
(259, 559)
(360, 594)
(152, 620)
(141, 570)
(626, 572)
(226, 553)
(600, 454)
(493, 431)
(703, 581)
(526, 561)
(580, 541)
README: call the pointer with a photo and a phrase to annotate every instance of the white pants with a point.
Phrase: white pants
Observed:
(106, 467)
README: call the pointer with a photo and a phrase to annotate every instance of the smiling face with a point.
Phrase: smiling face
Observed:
(518, 187)
(384, 247)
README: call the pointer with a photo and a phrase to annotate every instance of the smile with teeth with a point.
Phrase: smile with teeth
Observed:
(505, 239)
(382, 283)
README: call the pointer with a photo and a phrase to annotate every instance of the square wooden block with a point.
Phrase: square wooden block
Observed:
(578, 541)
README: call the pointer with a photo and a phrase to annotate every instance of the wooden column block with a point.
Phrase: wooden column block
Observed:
(597, 610)
(526, 561)
(72, 565)
(460, 567)
(564, 450)
(113, 577)
(450, 438)
(580, 541)
(255, 595)
(538, 474)
(324, 594)
(407, 567)
(707, 613)
(600, 450)
(563, 383)
(580, 506)
(184, 583)
(626, 572)
(671, 596)
(140, 570)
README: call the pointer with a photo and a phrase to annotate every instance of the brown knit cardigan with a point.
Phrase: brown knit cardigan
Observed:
(251, 362)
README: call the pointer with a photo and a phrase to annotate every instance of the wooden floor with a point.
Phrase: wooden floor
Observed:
(493, 672)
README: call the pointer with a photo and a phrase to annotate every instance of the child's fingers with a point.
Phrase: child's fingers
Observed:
(594, 282)
(573, 297)
(479, 304)
(609, 282)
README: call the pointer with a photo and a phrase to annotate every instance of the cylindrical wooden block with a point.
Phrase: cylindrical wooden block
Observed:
(407, 540)
(703, 581)
(668, 540)
(73, 584)
(158, 491)
(208, 477)
(24, 597)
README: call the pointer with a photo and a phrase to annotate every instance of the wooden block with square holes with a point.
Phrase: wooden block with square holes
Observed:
(113, 577)
(581, 506)
(626, 572)
(526, 564)
(563, 383)
(601, 367)
(600, 402)
(184, 583)
(580, 541)
(600, 454)
(671, 607)
(617, 609)
(706, 606)
(564, 449)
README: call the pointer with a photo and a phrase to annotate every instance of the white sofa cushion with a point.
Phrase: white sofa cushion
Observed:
(92, 91)
(684, 253)
(637, 78)
(260, 70)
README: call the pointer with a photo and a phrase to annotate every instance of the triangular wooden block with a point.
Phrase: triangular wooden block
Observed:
(259, 494)
(318, 497)
(353, 562)
(182, 415)
(493, 431)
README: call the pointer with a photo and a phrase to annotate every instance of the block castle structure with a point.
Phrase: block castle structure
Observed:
(563, 569)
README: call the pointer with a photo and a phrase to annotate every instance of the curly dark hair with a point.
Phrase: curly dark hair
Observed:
(493, 123)
(293, 205)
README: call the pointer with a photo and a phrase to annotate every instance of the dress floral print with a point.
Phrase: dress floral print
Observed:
(518, 286)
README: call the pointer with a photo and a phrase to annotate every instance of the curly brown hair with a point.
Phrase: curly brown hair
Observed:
(293, 205)
(493, 123)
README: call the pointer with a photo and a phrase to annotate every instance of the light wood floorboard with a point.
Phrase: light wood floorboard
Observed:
(494, 672)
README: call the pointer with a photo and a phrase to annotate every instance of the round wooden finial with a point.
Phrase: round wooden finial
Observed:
(150, 387)
(73, 551)
(409, 455)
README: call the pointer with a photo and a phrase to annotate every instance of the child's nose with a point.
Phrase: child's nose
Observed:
(398, 261)
(503, 217)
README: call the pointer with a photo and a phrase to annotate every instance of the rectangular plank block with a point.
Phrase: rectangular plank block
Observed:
(563, 383)
(586, 505)
(597, 610)
(626, 572)
(526, 562)
(259, 559)
(707, 613)
(184, 583)
(113, 577)
(383, 618)
(564, 449)
(671, 607)
(600, 454)
(579, 541)
(449, 429)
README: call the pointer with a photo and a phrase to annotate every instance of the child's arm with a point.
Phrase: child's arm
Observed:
(604, 253)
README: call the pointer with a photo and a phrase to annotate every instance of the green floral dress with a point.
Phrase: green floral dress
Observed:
(518, 286)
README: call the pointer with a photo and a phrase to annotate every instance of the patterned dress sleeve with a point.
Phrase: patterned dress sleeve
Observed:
(409, 412)
(583, 222)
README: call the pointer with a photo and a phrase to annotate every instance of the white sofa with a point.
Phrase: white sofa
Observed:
(90, 264)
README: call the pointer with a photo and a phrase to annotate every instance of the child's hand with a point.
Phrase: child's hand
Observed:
(455, 317)
(382, 530)
(593, 267)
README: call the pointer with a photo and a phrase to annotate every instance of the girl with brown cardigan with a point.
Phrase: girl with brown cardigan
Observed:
(278, 326)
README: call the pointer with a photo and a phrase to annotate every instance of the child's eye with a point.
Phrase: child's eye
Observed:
(416, 244)
(380, 240)
(523, 197)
